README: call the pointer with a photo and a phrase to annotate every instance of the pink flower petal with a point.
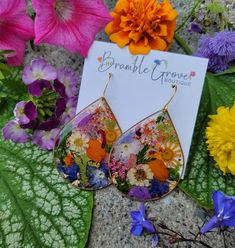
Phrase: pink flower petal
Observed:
(73, 27)
(15, 28)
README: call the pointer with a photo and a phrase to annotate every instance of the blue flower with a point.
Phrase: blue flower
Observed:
(141, 193)
(154, 240)
(158, 188)
(224, 208)
(139, 223)
(98, 178)
(69, 172)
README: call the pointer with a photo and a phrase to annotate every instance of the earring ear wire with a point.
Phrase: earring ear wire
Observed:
(165, 108)
(110, 75)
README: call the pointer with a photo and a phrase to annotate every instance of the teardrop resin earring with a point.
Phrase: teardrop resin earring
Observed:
(83, 145)
(146, 162)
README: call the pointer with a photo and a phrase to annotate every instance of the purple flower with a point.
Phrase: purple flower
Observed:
(45, 139)
(49, 124)
(69, 79)
(25, 112)
(70, 110)
(35, 88)
(155, 241)
(195, 27)
(60, 107)
(141, 193)
(98, 178)
(59, 88)
(69, 172)
(39, 69)
(13, 131)
(224, 209)
(220, 50)
(223, 44)
(139, 222)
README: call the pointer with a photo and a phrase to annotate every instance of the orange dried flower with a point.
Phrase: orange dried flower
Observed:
(68, 160)
(95, 151)
(159, 170)
(142, 25)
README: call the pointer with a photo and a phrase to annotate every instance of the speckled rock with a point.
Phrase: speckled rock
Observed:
(111, 223)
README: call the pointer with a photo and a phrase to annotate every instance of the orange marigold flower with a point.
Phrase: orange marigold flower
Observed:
(95, 151)
(68, 160)
(142, 25)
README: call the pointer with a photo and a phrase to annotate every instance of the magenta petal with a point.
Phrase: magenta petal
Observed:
(73, 25)
(12, 131)
(16, 29)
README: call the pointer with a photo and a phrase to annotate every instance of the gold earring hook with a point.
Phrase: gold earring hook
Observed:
(107, 84)
(174, 86)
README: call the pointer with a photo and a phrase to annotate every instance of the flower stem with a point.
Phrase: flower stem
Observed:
(183, 44)
(189, 16)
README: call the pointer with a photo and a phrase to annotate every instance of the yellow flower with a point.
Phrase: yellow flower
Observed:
(170, 154)
(220, 135)
(142, 25)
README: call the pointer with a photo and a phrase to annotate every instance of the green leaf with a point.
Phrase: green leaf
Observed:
(12, 84)
(202, 176)
(37, 207)
(216, 8)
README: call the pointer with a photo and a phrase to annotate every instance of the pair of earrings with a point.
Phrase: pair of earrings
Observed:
(145, 163)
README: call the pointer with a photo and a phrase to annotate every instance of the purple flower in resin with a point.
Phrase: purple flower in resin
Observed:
(220, 50)
(36, 88)
(70, 81)
(139, 222)
(13, 131)
(224, 209)
(141, 193)
(25, 112)
(45, 139)
(39, 69)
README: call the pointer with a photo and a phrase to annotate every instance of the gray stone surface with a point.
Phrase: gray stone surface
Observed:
(111, 223)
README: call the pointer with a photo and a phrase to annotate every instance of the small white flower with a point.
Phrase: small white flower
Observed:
(140, 175)
(78, 142)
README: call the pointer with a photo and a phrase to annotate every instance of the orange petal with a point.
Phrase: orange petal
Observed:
(121, 38)
(113, 26)
(95, 151)
(122, 6)
(171, 31)
(158, 44)
(139, 47)
(159, 170)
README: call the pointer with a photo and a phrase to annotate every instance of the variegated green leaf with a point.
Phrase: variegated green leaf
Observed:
(37, 207)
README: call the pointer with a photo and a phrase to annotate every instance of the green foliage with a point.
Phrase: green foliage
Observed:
(82, 162)
(141, 156)
(174, 173)
(37, 207)
(202, 176)
(216, 8)
(11, 86)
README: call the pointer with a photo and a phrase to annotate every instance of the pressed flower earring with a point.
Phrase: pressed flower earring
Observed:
(146, 162)
(83, 145)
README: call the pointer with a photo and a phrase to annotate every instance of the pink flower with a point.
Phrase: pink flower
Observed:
(15, 28)
(72, 24)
